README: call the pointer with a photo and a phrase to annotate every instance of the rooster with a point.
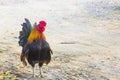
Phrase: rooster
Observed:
(34, 51)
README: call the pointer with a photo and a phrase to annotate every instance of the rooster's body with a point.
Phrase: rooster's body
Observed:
(38, 51)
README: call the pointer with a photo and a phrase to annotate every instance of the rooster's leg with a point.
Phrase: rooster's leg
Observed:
(40, 69)
(33, 75)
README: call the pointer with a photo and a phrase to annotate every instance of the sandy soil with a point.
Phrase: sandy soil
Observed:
(84, 36)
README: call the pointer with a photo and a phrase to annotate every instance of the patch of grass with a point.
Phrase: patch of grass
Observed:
(1, 50)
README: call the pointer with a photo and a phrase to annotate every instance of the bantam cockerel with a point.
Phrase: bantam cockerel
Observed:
(35, 48)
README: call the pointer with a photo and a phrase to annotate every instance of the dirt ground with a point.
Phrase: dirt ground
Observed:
(83, 34)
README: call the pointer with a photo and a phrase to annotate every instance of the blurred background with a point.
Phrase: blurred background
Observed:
(84, 35)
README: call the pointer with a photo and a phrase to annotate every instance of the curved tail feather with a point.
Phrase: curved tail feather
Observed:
(24, 34)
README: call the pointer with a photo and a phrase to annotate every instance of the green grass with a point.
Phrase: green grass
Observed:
(1, 49)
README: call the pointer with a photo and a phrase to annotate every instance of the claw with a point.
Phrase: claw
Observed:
(41, 76)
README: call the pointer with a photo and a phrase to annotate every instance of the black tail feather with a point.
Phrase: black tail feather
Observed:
(24, 34)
